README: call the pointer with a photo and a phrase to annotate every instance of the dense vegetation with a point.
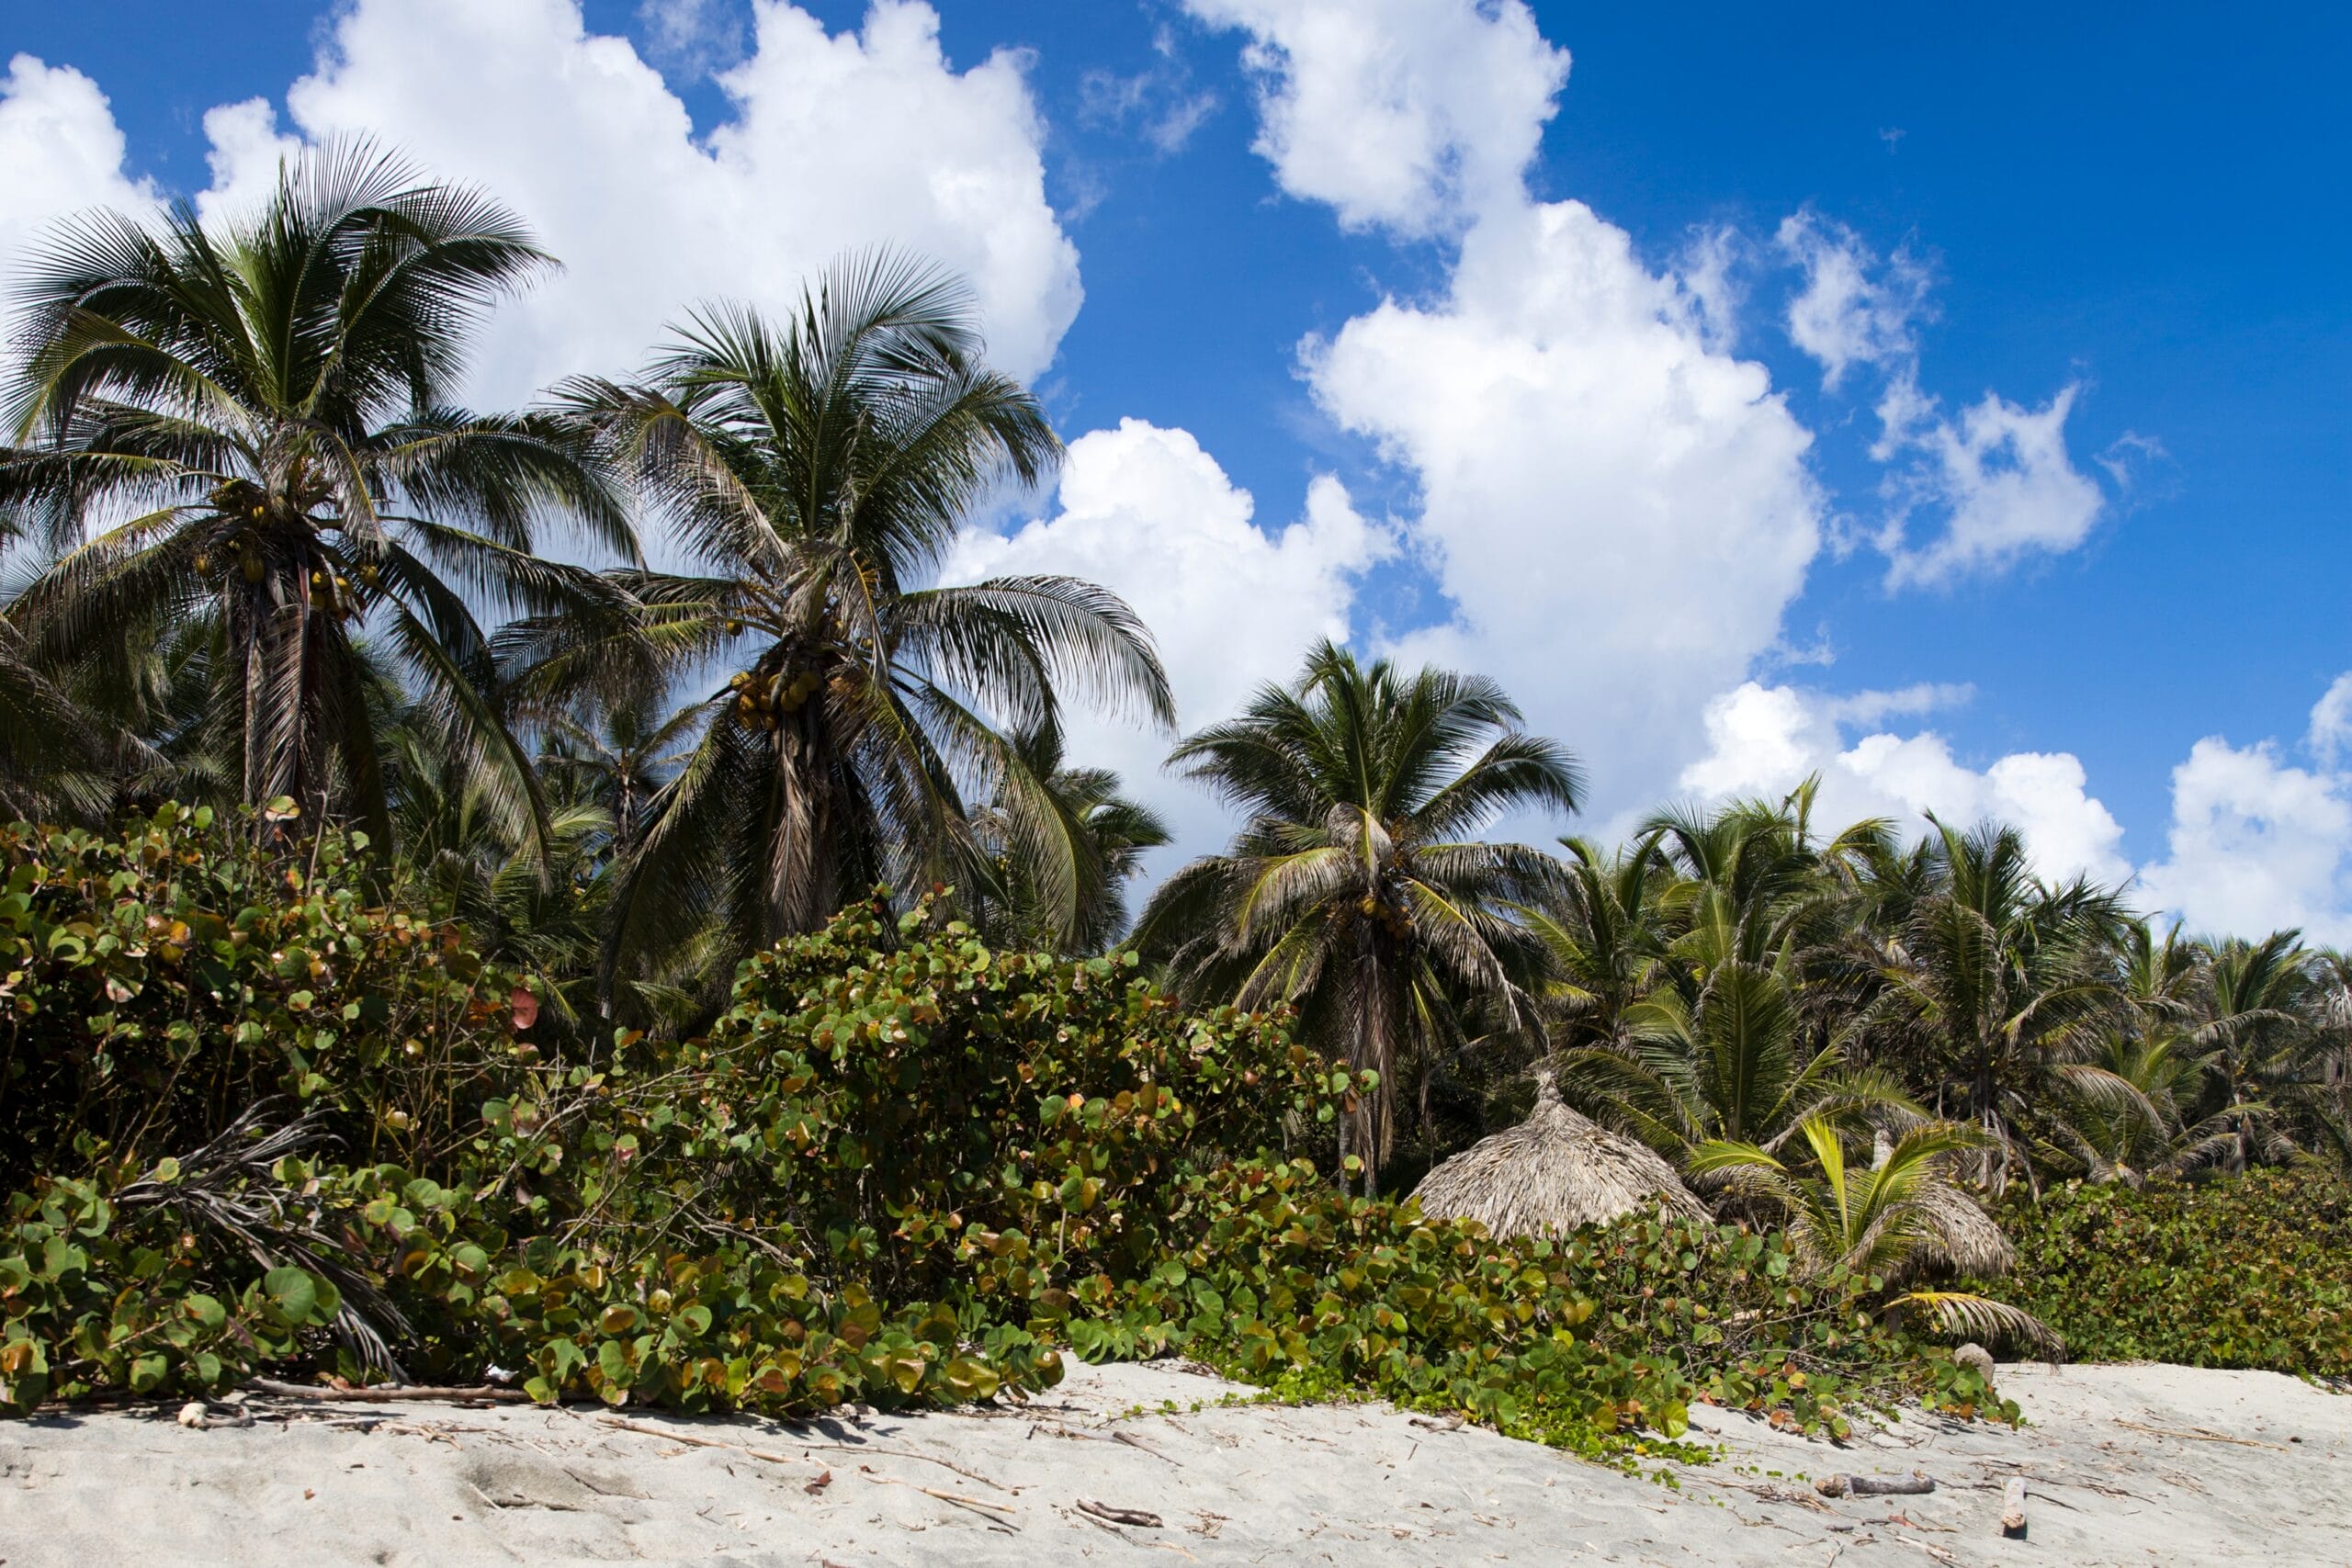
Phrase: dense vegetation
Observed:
(2244, 1273)
(700, 975)
(902, 1166)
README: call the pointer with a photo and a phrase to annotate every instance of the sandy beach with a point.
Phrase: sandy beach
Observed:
(2123, 1464)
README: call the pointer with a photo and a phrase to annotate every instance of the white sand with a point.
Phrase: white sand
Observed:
(431, 1485)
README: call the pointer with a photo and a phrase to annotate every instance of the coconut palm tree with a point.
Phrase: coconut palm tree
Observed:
(532, 903)
(1736, 1064)
(1996, 988)
(2156, 1130)
(814, 473)
(2254, 1022)
(1604, 939)
(244, 438)
(1358, 891)
(1086, 810)
(617, 756)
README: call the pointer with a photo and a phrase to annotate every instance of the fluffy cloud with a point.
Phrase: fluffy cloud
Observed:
(1850, 309)
(2330, 729)
(835, 141)
(1994, 485)
(1999, 476)
(1617, 509)
(2257, 843)
(1146, 512)
(1413, 115)
(1618, 513)
(60, 152)
(1764, 740)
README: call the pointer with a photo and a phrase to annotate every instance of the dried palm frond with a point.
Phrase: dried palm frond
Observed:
(230, 1188)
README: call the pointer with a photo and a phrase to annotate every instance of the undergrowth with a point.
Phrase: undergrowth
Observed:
(258, 1123)
(2250, 1272)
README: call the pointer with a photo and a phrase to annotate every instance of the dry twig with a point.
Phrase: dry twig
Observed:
(2199, 1435)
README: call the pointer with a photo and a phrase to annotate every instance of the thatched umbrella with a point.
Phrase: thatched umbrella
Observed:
(1552, 1173)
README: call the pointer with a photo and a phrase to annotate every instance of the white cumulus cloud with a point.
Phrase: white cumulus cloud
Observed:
(61, 152)
(1988, 489)
(1999, 478)
(1617, 509)
(834, 141)
(1412, 115)
(1850, 311)
(1147, 513)
(1618, 513)
(1765, 740)
(2259, 843)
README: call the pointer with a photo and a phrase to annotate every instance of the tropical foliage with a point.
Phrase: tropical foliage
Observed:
(903, 1167)
(1358, 892)
(482, 874)
(2247, 1273)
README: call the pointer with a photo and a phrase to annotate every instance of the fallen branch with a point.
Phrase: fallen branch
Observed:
(1772, 1494)
(1135, 1442)
(1137, 1516)
(481, 1393)
(2199, 1435)
(1873, 1485)
(909, 1453)
(986, 1510)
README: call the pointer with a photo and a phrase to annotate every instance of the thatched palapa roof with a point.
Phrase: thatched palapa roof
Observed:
(1552, 1173)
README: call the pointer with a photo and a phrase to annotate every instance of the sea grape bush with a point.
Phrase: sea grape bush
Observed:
(2253, 1271)
(903, 1169)
(155, 982)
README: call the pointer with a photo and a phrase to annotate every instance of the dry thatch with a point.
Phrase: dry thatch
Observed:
(1552, 1173)
(1959, 1236)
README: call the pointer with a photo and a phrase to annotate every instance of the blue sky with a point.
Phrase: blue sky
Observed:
(2127, 234)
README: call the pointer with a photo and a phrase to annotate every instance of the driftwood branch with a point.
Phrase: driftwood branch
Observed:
(1873, 1485)
(2013, 1510)
(480, 1393)
(2199, 1435)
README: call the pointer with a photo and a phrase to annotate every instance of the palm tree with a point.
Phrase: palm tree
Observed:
(1357, 891)
(1736, 1065)
(1603, 937)
(816, 472)
(2258, 1021)
(1085, 809)
(1869, 1220)
(2153, 1132)
(532, 903)
(244, 439)
(617, 756)
(1996, 988)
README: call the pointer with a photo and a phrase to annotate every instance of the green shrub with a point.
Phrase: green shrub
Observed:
(2252, 1271)
(156, 983)
(903, 1169)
